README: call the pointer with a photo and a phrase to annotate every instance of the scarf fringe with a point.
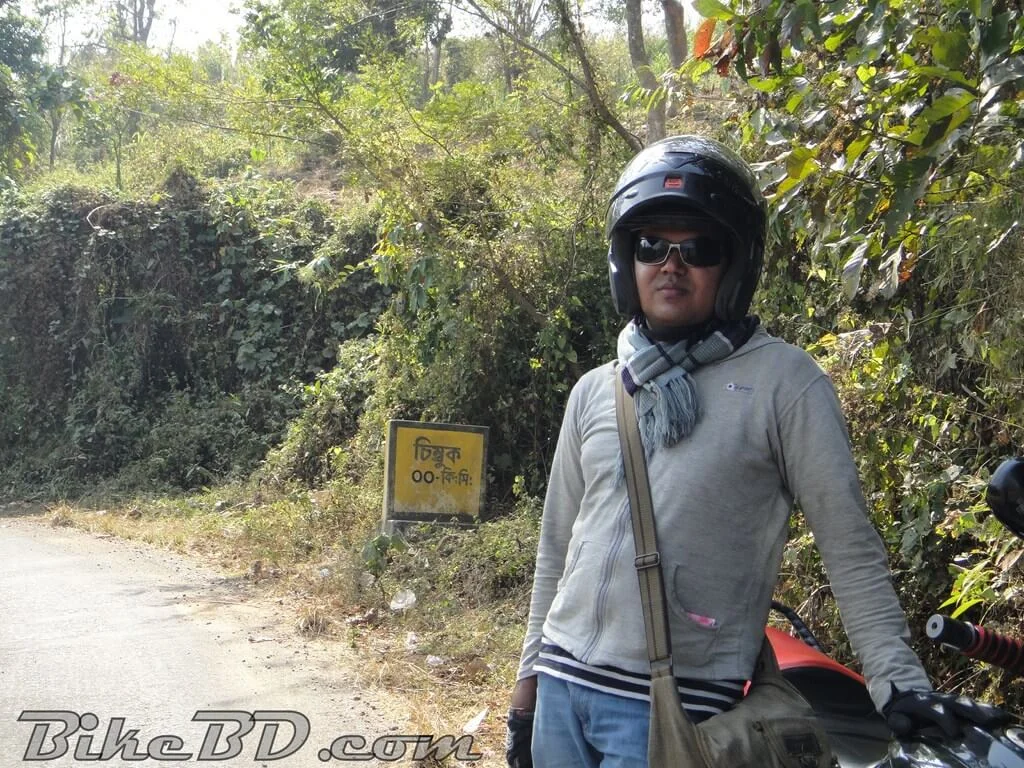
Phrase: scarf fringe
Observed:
(669, 414)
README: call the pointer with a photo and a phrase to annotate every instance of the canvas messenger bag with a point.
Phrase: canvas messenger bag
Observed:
(772, 726)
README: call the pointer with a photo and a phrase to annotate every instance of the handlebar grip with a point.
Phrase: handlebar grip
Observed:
(978, 643)
(947, 631)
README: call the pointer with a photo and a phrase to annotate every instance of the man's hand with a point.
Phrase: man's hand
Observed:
(911, 712)
(518, 736)
(519, 726)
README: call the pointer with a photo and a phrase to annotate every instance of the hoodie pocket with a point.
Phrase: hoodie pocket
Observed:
(570, 563)
(574, 601)
(694, 629)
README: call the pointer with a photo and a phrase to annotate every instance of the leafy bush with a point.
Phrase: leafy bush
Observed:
(168, 335)
(331, 409)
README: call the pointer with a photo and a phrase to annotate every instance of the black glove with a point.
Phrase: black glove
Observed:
(518, 736)
(911, 712)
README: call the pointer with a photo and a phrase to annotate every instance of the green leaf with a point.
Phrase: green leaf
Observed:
(865, 73)
(951, 49)
(814, 118)
(995, 39)
(947, 74)
(901, 204)
(811, 17)
(876, 34)
(696, 69)
(948, 602)
(786, 185)
(832, 42)
(765, 84)
(889, 270)
(785, 193)
(801, 163)
(909, 178)
(856, 147)
(854, 11)
(927, 134)
(712, 9)
(982, 9)
(951, 101)
(963, 607)
(794, 102)
(939, 118)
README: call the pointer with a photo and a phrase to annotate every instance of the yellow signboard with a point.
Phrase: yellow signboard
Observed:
(435, 472)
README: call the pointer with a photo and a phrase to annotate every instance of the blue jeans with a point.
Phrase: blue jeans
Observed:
(578, 727)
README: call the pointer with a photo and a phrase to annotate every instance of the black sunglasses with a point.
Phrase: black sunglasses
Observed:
(701, 251)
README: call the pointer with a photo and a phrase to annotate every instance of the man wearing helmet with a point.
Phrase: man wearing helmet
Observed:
(737, 425)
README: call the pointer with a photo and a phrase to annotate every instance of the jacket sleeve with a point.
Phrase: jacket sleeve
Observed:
(561, 507)
(819, 470)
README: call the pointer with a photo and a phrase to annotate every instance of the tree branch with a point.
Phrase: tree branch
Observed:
(593, 92)
(587, 85)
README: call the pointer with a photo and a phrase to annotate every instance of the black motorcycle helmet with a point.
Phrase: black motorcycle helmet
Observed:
(695, 183)
(1005, 494)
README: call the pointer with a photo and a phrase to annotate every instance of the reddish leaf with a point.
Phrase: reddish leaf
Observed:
(702, 40)
(907, 267)
(729, 47)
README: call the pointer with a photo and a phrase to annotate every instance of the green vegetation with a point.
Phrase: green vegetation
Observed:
(223, 272)
(162, 341)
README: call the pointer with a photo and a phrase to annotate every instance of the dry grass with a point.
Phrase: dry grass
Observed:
(449, 663)
(446, 687)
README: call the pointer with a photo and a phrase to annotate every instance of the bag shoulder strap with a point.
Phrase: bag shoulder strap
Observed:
(647, 561)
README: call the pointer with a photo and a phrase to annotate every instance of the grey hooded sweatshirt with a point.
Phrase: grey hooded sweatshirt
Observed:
(771, 433)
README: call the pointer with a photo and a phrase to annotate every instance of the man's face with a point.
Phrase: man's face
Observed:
(675, 293)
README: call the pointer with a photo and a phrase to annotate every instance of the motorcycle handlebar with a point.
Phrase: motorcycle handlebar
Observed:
(978, 643)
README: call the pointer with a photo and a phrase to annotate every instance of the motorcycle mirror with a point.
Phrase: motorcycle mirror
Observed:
(1005, 495)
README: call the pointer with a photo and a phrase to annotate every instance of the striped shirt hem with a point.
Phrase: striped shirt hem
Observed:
(701, 698)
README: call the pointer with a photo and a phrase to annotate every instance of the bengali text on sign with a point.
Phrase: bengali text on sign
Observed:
(435, 471)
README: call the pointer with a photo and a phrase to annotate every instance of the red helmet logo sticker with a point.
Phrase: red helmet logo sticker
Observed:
(673, 182)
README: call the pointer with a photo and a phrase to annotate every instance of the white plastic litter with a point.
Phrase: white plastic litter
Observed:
(403, 600)
(474, 725)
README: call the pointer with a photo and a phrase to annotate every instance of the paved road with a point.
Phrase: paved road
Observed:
(116, 629)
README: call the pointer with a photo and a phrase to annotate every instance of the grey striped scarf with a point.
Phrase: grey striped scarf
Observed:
(657, 376)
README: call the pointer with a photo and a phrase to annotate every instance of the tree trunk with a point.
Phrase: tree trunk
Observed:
(117, 163)
(675, 32)
(143, 20)
(436, 35)
(506, 63)
(432, 68)
(134, 19)
(435, 64)
(642, 66)
(55, 121)
(426, 72)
